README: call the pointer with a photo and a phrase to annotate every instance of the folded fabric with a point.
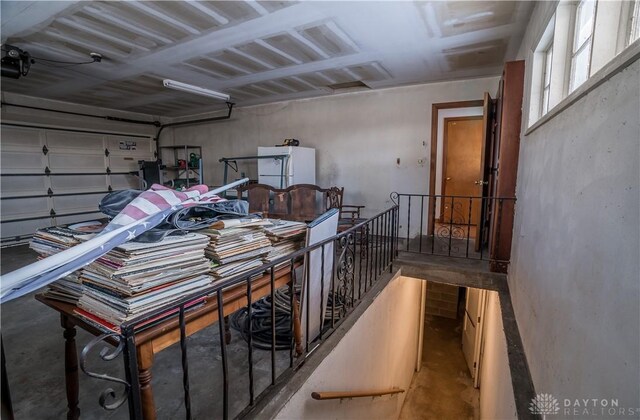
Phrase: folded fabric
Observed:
(201, 216)
(127, 204)
(113, 203)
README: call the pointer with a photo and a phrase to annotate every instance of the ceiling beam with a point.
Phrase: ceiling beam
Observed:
(245, 32)
(21, 18)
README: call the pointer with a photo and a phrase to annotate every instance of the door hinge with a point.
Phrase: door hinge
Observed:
(106, 152)
(47, 171)
(45, 150)
(49, 192)
(52, 213)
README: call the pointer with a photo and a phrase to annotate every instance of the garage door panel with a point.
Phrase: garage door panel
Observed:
(28, 227)
(69, 163)
(25, 207)
(23, 185)
(22, 139)
(79, 218)
(76, 203)
(124, 164)
(76, 143)
(22, 162)
(66, 152)
(84, 183)
(124, 182)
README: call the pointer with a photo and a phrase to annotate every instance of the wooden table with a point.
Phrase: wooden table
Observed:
(156, 338)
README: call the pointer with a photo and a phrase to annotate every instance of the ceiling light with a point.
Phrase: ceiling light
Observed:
(172, 84)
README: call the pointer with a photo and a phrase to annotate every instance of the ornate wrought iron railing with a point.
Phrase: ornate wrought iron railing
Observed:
(362, 254)
(453, 226)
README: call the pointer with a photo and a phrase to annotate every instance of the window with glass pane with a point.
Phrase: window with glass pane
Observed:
(581, 51)
(546, 83)
(634, 24)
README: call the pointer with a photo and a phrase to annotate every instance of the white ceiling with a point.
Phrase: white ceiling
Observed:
(257, 51)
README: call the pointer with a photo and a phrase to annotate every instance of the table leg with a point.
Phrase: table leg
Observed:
(71, 368)
(145, 363)
(297, 327)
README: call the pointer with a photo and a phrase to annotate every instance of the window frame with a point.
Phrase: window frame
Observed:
(547, 70)
(575, 50)
(633, 19)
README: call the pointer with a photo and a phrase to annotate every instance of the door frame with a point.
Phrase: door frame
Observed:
(435, 108)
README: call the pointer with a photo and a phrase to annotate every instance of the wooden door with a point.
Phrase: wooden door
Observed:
(508, 118)
(462, 168)
(472, 330)
(488, 130)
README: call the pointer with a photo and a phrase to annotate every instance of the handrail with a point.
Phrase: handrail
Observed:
(339, 395)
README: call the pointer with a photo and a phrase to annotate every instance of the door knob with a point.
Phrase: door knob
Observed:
(448, 178)
(481, 182)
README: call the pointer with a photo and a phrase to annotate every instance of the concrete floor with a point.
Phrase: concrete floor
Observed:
(34, 349)
(443, 389)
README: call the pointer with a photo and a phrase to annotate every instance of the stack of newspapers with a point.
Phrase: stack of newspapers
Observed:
(236, 246)
(136, 278)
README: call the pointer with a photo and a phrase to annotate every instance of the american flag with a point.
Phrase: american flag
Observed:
(157, 199)
(146, 211)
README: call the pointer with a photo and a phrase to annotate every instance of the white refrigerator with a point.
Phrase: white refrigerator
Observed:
(297, 167)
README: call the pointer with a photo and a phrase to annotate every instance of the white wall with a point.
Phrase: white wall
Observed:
(574, 274)
(378, 352)
(496, 391)
(358, 137)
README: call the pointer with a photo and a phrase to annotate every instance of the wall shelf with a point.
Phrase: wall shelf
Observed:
(183, 176)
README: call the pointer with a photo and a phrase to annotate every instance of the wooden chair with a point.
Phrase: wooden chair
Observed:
(266, 200)
(302, 202)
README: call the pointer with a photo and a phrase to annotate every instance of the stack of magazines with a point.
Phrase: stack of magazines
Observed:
(136, 278)
(286, 237)
(237, 246)
(51, 240)
(67, 289)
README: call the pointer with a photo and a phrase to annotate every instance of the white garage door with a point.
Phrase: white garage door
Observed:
(51, 177)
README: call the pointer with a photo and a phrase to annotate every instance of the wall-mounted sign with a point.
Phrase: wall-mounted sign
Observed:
(128, 145)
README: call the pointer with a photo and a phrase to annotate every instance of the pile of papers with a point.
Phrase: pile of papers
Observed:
(237, 247)
(286, 237)
(136, 278)
(51, 240)
(67, 289)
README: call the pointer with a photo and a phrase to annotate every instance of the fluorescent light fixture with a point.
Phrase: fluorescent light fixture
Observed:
(172, 84)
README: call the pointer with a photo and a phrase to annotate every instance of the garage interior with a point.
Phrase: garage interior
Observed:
(468, 153)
